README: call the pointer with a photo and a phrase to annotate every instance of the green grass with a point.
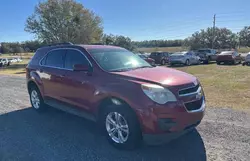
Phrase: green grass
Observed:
(224, 86)
(244, 50)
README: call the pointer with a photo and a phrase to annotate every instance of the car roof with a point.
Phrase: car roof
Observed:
(227, 52)
(100, 46)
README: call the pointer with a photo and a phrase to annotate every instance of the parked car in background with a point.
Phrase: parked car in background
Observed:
(130, 99)
(1, 63)
(19, 59)
(13, 60)
(207, 55)
(232, 57)
(5, 61)
(160, 57)
(147, 59)
(247, 60)
(185, 58)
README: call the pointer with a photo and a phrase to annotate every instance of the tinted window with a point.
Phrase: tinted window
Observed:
(74, 57)
(55, 58)
(166, 54)
(155, 54)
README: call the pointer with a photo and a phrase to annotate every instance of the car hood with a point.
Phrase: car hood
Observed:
(161, 75)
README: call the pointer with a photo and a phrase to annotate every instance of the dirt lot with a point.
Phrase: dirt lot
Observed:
(55, 135)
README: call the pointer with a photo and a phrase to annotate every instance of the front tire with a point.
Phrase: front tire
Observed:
(36, 99)
(187, 63)
(163, 62)
(121, 127)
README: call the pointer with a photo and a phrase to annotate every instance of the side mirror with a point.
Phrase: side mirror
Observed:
(81, 67)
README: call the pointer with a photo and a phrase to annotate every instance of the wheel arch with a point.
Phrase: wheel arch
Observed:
(111, 100)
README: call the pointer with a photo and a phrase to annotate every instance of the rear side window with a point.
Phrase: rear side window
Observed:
(74, 57)
(54, 58)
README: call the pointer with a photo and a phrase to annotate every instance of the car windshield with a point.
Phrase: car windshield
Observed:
(117, 60)
(204, 51)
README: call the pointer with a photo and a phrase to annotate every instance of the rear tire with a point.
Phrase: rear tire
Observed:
(218, 63)
(36, 99)
(124, 134)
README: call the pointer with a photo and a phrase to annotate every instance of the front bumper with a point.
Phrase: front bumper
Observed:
(157, 139)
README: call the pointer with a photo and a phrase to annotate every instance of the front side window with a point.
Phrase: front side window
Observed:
(54, 58)
(166, 54)
(112, 59)
(74, 57)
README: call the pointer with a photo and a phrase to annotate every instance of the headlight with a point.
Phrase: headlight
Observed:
(158, 93)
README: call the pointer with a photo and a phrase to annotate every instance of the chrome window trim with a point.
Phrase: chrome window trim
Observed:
(66, 53)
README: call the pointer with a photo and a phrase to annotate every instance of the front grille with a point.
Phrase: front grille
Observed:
(195, 105)
(189, 90)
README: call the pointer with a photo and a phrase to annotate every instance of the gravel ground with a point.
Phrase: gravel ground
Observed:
(25, 135)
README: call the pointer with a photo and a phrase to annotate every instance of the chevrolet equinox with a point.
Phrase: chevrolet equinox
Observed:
(129, 99)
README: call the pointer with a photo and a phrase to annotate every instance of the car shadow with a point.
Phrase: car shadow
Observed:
(228, 64)
(56, 135)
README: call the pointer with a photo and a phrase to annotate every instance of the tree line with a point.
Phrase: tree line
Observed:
(56, 21)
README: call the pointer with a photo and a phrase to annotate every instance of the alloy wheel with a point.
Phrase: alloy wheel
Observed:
(35, 99)
(117, 127)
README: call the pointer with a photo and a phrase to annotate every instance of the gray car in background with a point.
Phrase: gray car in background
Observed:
(185, 58)
(247, 60)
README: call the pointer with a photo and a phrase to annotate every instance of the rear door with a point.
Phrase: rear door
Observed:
(156, 56)
(166, 55)
(52, 73)
(194, 58)
(189, 57)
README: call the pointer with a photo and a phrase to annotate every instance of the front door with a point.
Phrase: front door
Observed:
(78, 89)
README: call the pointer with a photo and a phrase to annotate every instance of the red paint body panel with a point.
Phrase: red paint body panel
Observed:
(88, 91)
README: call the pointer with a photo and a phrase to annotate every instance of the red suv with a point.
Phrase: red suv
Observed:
(130, 99)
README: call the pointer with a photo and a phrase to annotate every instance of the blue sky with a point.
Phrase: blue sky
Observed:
(138, 19)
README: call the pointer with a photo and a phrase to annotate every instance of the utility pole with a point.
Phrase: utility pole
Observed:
(213, 31)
